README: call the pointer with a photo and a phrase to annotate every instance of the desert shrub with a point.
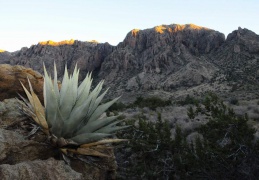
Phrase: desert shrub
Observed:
(150, 146)
(152, 102)
(117, 106)
(190, 112)
(233, 101)
(227, 147)
(188, 100)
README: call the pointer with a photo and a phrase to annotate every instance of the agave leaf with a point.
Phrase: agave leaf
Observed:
(95, 92)
(74, 84)
(111, 128)
(27, 103)
(89, 137)
(101, 109)
(39, 111)
(84, 91)
(64, 87)
(86, 151)
(97, 102)
(50, 100)
(66, 106)
(38, 108)
(97, 124)
(85, 84)
(27, 93)
(33, 115)
(68, 95)
(79, 114)
(55, 82)
(75, 118)
(26, 106)
(104, 141)
(58, 125)
(35, 110)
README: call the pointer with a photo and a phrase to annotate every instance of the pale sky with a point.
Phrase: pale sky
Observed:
(26, 22)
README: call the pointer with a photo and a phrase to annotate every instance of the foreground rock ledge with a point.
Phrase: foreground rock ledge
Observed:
(39, 169)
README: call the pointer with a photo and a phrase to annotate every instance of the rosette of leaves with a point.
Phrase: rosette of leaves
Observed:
(72, 115)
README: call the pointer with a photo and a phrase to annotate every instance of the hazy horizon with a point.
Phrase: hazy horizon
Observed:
(25, 23)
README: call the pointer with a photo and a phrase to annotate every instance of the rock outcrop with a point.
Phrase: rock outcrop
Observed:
(10, 78)
(238, 57)
(5, 57)
(88, 56)
(164, 57)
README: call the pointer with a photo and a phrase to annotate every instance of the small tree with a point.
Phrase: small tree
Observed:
(190, 112)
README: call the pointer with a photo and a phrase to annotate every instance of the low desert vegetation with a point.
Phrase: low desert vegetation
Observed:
(224, 148)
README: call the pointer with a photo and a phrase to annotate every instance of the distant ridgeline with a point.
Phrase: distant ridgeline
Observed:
(165, 58)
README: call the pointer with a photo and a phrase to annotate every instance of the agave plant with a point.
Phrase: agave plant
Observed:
(72, 116)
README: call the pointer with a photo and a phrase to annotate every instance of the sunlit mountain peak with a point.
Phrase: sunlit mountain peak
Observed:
(2, 50)
(53, 43)
(160, 29)
(176, 27)
(93, 41)
(134, 32)
(193, 26)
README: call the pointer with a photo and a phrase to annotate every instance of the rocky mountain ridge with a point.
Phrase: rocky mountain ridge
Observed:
(168, 60)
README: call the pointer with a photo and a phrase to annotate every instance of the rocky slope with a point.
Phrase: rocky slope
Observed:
(174, 60)
(238, 57)
(164, 57)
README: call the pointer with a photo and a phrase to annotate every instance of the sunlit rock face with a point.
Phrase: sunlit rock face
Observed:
(53, 43)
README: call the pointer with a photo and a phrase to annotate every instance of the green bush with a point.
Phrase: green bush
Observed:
(117, 106)
(233, 101)
(188, 100)
(150, 150)
(152, 102)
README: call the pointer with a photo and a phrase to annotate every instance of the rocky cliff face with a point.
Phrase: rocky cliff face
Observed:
(166, 58)
(88, 56)
(238, 57)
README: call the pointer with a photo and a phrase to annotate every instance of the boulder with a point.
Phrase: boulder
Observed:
(11, 76)
(15, 148)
